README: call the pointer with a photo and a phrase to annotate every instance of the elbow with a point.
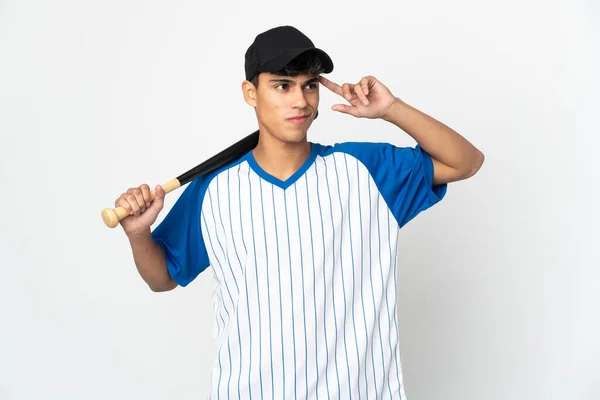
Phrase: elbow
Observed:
(474, 165)
(479, 161)
(158, 287)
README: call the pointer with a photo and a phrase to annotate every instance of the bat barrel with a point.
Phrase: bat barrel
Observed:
(226, 156)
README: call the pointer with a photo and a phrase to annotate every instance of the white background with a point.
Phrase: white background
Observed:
(499, 284)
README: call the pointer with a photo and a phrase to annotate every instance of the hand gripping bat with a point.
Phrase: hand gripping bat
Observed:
(112, 216)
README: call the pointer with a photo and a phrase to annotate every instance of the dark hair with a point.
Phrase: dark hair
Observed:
(306, 63)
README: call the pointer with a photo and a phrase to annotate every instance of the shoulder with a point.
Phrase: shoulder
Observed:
(372, 154)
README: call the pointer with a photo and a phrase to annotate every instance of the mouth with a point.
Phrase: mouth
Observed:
(299, 119)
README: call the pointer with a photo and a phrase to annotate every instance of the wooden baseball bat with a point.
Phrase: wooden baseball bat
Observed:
(112, 216)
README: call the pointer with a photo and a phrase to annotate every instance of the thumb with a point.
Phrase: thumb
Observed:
(352, 110)
(159, 198)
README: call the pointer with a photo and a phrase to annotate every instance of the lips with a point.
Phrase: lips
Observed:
(299, 119)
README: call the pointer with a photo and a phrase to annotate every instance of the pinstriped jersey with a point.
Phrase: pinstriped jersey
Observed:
(304, 269)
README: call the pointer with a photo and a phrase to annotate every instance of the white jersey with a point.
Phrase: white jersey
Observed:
(304, 269)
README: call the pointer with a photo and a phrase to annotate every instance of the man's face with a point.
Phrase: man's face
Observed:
(286, 106)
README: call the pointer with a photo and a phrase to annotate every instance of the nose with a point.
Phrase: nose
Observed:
(299, 99)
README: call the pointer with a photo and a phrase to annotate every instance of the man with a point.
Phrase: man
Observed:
(302, 237)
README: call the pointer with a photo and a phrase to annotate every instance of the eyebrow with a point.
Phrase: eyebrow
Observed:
(289, 81)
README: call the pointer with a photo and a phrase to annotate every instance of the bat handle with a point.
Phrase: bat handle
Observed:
(112, 216)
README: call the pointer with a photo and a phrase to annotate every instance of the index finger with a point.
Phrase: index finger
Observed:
(334, 87)
(146, 194)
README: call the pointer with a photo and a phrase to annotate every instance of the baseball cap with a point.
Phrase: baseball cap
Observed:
(276, 47)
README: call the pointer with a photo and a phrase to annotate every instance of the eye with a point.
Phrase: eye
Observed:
(283, 86)
(312, 86)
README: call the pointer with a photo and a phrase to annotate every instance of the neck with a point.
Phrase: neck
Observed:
(278, 158)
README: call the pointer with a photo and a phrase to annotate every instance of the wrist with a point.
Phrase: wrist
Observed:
(394, 112)
(139, 236)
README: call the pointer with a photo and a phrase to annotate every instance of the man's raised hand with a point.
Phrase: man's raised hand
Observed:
(369, 98)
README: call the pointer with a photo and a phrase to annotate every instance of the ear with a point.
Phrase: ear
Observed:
(249, 93)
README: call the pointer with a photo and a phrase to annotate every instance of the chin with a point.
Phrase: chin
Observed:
(294, 136)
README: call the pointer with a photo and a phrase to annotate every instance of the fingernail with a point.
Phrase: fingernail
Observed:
(147, 205)
(366, 102)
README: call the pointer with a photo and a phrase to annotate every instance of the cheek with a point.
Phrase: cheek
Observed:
(270, 108)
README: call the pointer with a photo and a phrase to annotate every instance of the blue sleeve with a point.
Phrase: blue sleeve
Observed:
(180, 235)
(404, 176)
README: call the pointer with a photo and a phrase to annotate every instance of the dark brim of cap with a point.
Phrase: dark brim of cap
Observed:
(282, 59)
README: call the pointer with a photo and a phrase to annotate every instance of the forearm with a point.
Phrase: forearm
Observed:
(150, 262)
(438, 140)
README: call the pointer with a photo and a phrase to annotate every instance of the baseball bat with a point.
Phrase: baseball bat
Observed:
(112, 216)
